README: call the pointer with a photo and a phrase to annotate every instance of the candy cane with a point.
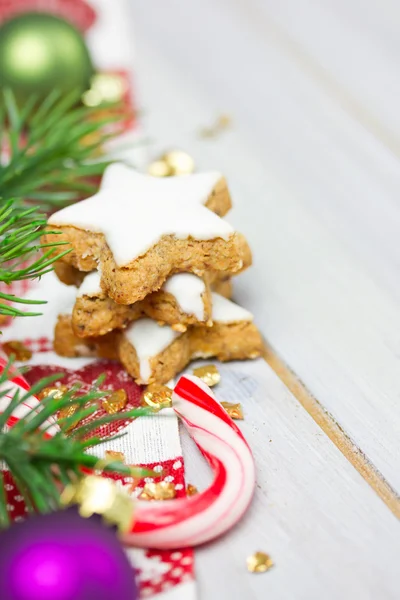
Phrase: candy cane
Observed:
(200, 518)
(196, 519)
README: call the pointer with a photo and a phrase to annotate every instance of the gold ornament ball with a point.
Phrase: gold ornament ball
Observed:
(180, 163)
(159, 168)
(40, 52)
(172, 163)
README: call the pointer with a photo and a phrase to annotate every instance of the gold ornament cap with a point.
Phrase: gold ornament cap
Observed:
(97, 495)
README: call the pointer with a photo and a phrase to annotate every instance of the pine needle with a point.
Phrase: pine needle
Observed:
(41, 465)
(54, 158)
(54, 150)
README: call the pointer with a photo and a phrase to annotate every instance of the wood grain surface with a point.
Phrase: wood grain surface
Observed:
(312, 159)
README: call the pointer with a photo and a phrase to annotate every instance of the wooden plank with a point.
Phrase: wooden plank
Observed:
(335, 167)
(327, 532)
(335, 433)
(315, 193)
(351, 48)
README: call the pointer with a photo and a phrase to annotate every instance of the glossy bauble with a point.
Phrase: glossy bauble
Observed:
(40, 52)
(63, 556)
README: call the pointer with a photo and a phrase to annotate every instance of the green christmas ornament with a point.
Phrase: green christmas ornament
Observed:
(40, 52)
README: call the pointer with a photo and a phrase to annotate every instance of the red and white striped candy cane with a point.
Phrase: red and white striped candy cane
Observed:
(200, 518)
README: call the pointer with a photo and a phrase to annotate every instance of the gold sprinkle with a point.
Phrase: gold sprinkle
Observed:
(115, 402)
(158, 491)
(157, 397)
(159, 168)
(221, 123)
(209, 374)
(68, 411)
(259, 562)
(235, 411)
(18, 349)
(224, 121)
(114, 455)
(191, 490)
(56, 391)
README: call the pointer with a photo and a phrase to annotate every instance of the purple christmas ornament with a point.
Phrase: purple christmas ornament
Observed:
(63, 556)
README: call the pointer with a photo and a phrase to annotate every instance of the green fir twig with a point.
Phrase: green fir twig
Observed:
(52, 160)
(54, 148)
(42, 466)
(22, 256)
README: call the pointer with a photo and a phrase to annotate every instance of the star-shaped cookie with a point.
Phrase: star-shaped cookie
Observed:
(140, 234)
(151, 353)
(208, 188)
(154, 353)
(184, 299)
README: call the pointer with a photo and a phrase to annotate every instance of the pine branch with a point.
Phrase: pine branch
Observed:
(22, 256)
(54, 148)
(42, 466)
(53, 159)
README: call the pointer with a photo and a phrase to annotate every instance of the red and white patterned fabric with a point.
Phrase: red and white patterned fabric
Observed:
(149, 441)
(79, 12)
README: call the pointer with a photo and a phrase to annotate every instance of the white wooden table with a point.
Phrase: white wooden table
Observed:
(313, 161)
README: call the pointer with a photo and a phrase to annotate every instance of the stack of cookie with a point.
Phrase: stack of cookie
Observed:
(153, 259)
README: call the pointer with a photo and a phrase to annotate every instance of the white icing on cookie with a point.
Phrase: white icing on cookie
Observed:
(90, 286)
(225, 311)
(187, 290)
(120, 176)
(133, 220)
(149, 339)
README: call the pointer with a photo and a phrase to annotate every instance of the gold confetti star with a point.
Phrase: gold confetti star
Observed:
(235, 411)
(158, 491)
(56, 391)
(209, 374)
(68, 411)
(259, 562)
(191, 490)
(115, 402)
(157, 397)
(221, 123)
(114, 455)
(18, 349)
